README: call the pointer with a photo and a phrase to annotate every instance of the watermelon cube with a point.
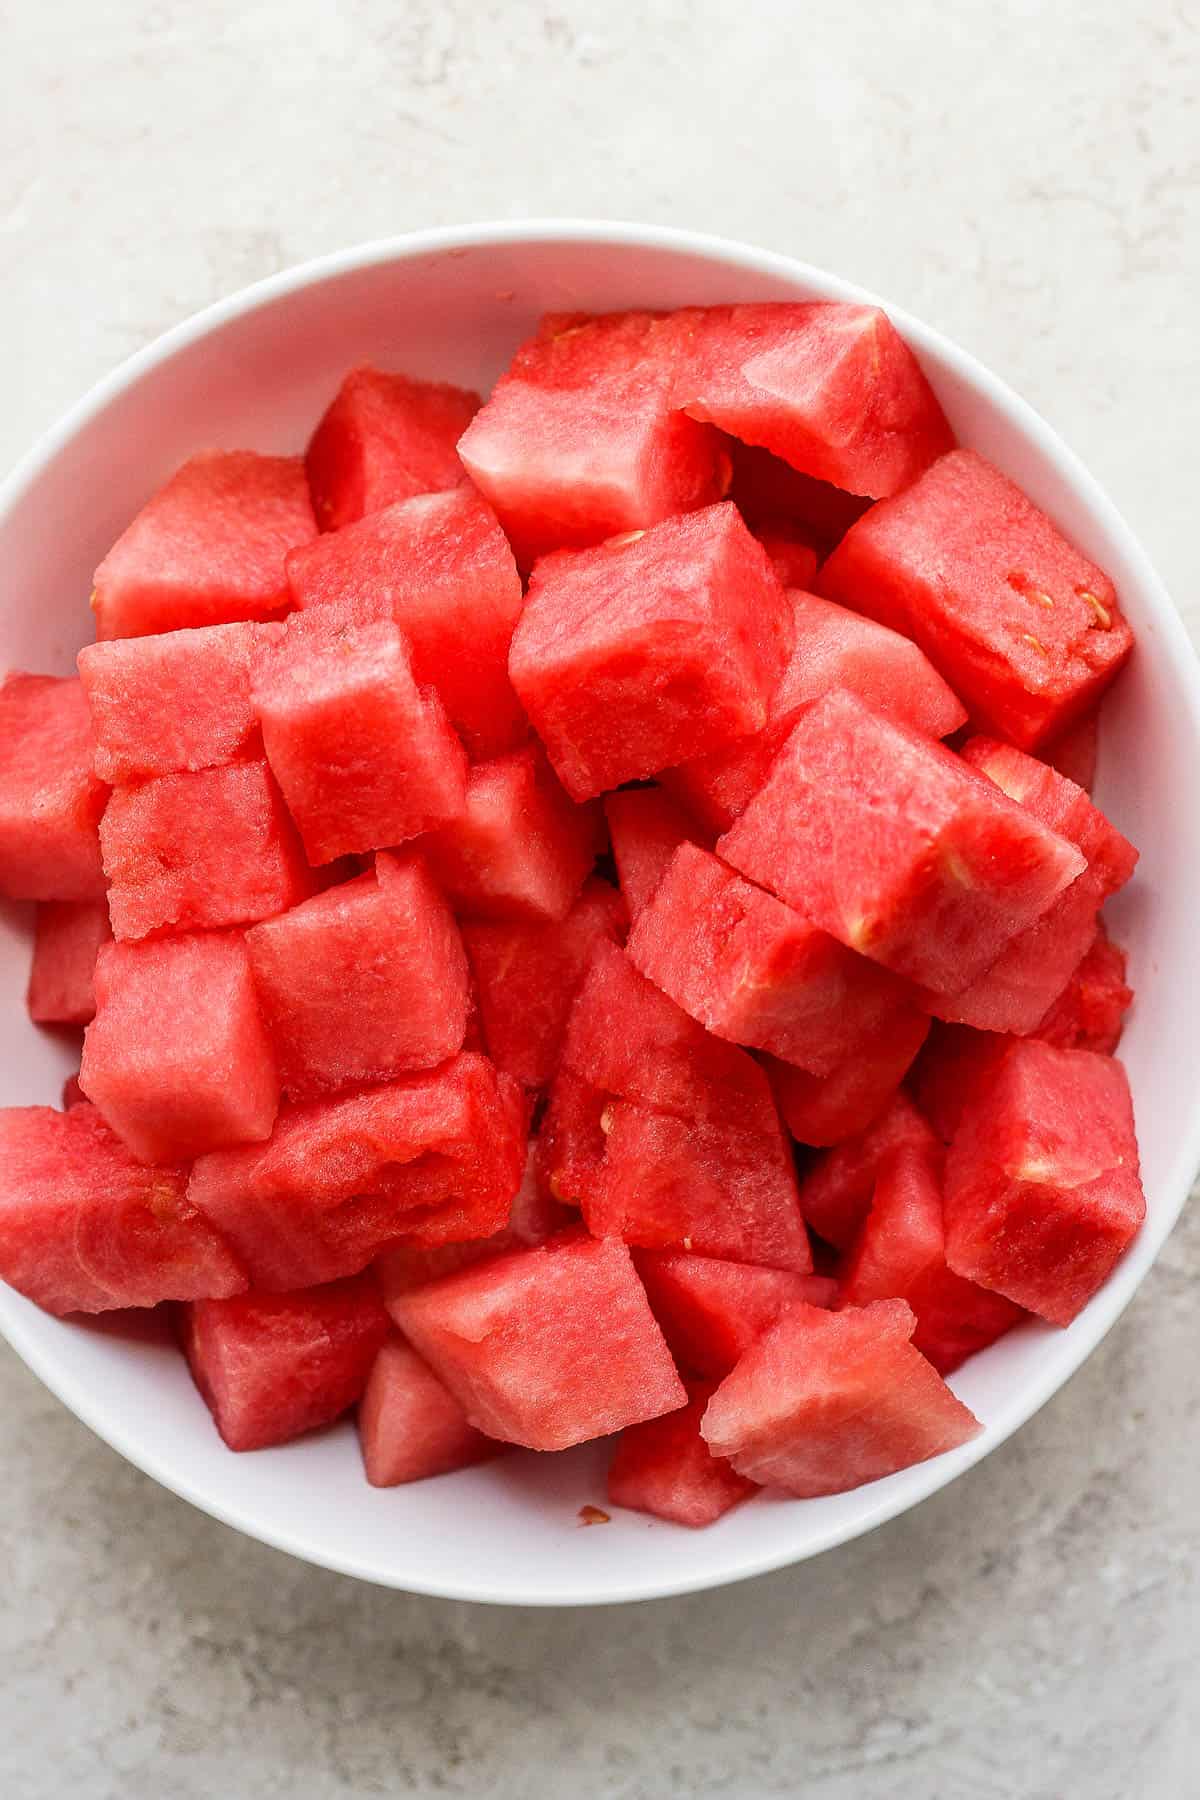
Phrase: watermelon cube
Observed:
(711, 1311)
(527, 973)
(273, 1366)
(581, 438)
(546, 1347)
(826, 1109)
(67, 942)
(440, 568)
(770, 494)
(208, 548)
(1075, 752)
(826, 1401)
(201, 850)
(519, 849)
(1020, 623)
(896, 847)
(383, 438)
(1089, 1014)
(177, 1058)
(646, 826)
(176, 701)
(664, 1467)
(651, 649)
(792, 557)
(85, 1228)
(1043, 1194)
(365, 757)
(434, 1158)
(409, 1423)
(50, 799)
(364, 982)
(956, 1059)
(836, 1190)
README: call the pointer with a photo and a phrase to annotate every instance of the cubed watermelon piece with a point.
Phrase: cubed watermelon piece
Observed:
(433, 1158)
(664, 1467)
(581, 438)
(50, 799)
(646, 826)
(835, 1191)
(273, 1366)
(770, 494)
(177, 1058)
(897, 847)
(546, 1347)
(1043, 1193)
(409, 1423)
(208, 548)
(1075, 752)
(571, 1140)
(821, 1110)
(953, 1063)
(364, 982)
(85, 1228)
(826, 1401)
(711, 1311)
(201, 850)
(176, 701)
(1089, 1014)
(651, 649)
(65, 947)
(385, 437)
(527, 974)
(440, 567)
(792, 557)
(520, 849)
(1020, 623)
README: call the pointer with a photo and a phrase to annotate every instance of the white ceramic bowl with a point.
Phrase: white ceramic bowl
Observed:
(256, 370)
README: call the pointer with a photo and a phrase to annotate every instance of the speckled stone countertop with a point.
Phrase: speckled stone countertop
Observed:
(1026, 178)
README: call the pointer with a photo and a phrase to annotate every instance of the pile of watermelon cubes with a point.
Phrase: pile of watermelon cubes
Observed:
(587, 917)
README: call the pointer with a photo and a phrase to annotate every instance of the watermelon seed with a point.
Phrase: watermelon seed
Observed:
(1036, 642)
(1103, 616)
(626, 537)
(606, 1120)
(594, 1515)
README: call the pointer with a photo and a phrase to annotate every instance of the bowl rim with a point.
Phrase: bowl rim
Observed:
(1107, 1306)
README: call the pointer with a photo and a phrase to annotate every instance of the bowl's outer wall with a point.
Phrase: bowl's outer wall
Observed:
(256, 371)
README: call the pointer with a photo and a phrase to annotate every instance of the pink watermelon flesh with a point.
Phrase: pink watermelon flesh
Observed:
(177, 1058)
(409, 1423)
(50, 800)
(646, 826)
(527, 974)
(648, 650)
(200, 851)
(364, 982)
(62, 980)
(835, 1192)
(208, 548)
(433, 1158)
(365, 757)
(826, 1401)
(176, 701)
(273, 1366)
(580, 439)
(520, 849)
(1022, 626)
(1043, 1194)
(73, 1094)
(826, 1109)
(383, 438)
(771, 495)
(711, 1311)
(85, 1228)
(664, 1467)
(440, 568)
(793, 559)
(571, 1141)
(1075, 751)
(1089, 1014)
(896, 847)
(546, 1347)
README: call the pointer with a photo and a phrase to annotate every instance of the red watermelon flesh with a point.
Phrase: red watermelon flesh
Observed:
(646, 826)
(273, 1366)
(365, 757)
(385, 437)
(1043, 1194)
(201, 850)
(50, 799)
(409, 1423)
(433, 1158)
(571, 1141)
(826, 1109)
(771, 495)
(581, 440)
(826, 1401)
(711, 1310)
(896, 847)
(1022, 626)
(546, 1347)
(955, 1060)
(1089, 1014)
(792, 557)
(176, 701)
(1076, 751)
(68, 940)
(208, 548)
(527, 974)
(440, 568)
(835, 1191)
(651, 649)
(85, 1228)
(364, 982)
(664, 1467)
(520, 849)
(73, 1094)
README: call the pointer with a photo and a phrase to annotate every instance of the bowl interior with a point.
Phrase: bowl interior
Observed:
(256, 372)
